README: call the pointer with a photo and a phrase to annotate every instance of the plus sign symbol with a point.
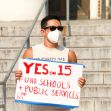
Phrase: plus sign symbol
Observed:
(20, 87)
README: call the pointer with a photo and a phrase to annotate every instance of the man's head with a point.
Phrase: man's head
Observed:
(45, 20)
(51, 28)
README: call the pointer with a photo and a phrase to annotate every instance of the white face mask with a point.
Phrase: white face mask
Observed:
(53, 36)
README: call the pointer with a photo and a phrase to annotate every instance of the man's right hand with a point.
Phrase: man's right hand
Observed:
(18, 74)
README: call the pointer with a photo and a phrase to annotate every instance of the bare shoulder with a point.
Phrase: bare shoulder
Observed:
(28, 53)
(72, 56)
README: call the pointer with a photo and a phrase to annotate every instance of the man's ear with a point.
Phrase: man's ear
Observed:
(43, 32)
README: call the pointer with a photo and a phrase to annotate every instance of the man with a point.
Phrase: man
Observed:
(51, 29)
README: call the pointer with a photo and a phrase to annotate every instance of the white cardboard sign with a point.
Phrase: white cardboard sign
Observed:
(49, 83)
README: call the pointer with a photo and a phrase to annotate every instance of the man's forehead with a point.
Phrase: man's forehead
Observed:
(53, 21)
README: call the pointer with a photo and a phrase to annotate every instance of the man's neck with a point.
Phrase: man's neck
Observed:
(50, 45)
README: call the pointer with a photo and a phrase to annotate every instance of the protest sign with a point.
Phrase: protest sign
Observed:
(49, 83)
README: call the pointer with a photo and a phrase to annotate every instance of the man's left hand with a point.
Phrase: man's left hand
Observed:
(81, 81)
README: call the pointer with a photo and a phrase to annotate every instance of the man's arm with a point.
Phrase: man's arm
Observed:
(27, 54)
(72, 58)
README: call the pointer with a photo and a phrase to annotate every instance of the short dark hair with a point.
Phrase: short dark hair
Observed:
(47, 18)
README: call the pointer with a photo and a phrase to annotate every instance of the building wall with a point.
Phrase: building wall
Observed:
(107, 8)
(94, 9)
(14, 10)
(21, 10)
